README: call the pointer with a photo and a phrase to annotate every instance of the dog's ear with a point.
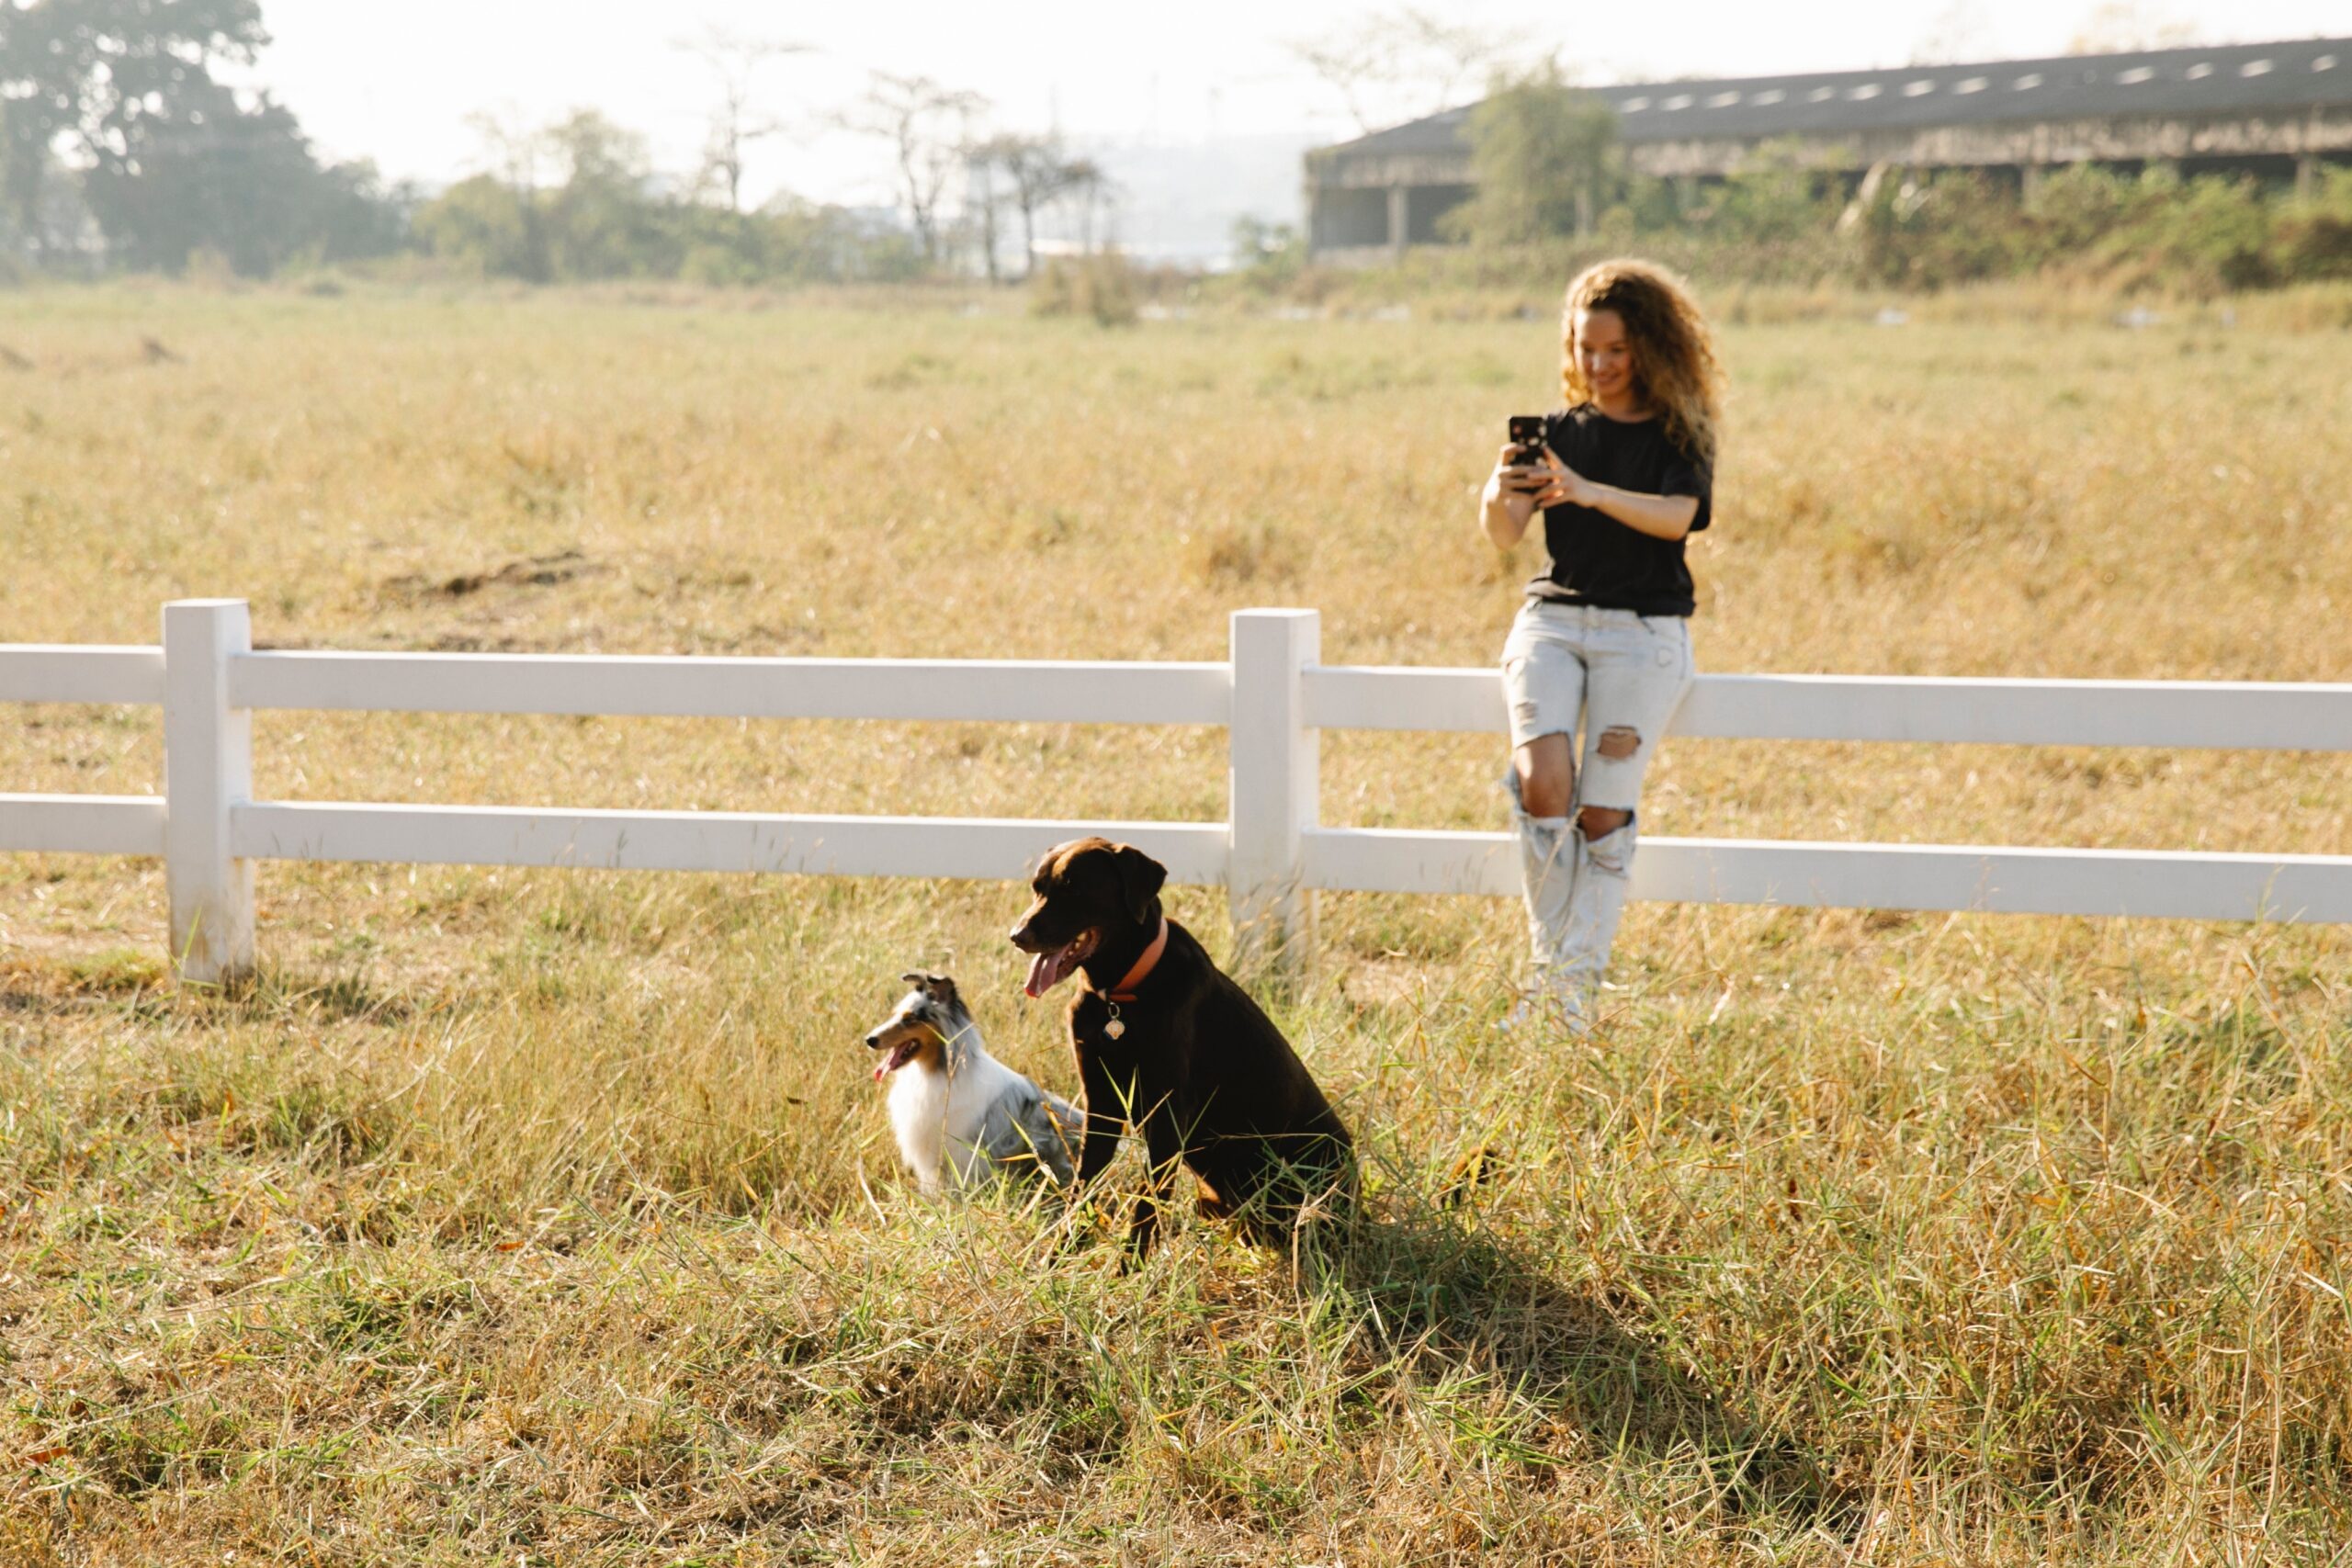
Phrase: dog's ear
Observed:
(938, 988)
(1140, 879)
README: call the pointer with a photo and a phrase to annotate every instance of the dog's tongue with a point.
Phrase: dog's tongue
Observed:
(1047, 970)
(900, 1054)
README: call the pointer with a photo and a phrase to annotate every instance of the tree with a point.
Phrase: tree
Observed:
(513, 150)
(983, 200)
(481, 223)
(735, 59)
(170, 160)
(89, 75)
(64, 229)
(1039, 168)
(570, 201)
(2125, 27)
(1540, 152)
(1093, 190)
(1402, 62)
(1775, 196)
(927, 125)
(206, 173)
(1960, 31)
(602, 222)
(1270, 253)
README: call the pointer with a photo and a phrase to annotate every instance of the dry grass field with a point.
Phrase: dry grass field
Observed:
(552, 1218)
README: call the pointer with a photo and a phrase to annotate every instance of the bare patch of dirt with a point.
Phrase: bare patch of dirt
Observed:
(529, 571)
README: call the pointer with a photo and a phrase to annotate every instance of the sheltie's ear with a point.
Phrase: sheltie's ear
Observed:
(940, 989)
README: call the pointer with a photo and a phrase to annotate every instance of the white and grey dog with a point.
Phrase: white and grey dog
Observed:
(963, 1119)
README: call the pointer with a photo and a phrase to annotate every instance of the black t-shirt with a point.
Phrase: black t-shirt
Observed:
(1597, 559)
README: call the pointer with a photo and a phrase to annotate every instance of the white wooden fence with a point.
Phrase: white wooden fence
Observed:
(1274, 696)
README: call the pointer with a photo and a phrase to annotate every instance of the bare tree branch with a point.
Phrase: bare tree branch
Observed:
(1406, 61)
(927, 125)
(735, 59)
(1041, 170)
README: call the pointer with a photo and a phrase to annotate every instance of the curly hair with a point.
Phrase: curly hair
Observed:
(1675, 365)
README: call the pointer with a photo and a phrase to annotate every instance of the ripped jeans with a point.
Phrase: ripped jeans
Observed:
(1622, 675)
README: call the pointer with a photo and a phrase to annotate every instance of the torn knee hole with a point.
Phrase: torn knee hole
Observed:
(1600, 821)
(1618, 742)
(1607, 841)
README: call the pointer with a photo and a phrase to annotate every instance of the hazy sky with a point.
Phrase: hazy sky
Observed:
(396, 80)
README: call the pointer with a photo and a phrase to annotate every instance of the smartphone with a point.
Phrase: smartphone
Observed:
(1527, 435)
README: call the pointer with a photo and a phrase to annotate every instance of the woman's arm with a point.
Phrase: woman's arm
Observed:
(1509, 501)
(1659, 517)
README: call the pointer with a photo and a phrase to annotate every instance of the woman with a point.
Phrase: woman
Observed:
(1625, 478)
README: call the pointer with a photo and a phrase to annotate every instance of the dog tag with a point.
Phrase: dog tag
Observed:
(1115, 1028)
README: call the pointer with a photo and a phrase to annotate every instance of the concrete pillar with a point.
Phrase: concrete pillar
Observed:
(2306, 176)
(2030, 181)
(1399, 218)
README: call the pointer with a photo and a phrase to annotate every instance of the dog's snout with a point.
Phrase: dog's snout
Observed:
(873, 1041)
(1023, 934)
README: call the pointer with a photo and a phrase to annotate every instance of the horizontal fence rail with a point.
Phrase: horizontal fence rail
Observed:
(71, 673)
(82, 824)
(975, 848)
(2243, 716)
(2160, 883)
(1274, 696)
(987, 691)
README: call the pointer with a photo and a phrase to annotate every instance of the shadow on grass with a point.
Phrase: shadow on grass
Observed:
(1443, 1292)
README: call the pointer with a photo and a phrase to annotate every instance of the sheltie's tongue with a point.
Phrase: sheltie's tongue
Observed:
(900, 1054)
(1050, 969)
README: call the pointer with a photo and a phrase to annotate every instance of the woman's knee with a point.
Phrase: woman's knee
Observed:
(1547, 775)
(1600, 821)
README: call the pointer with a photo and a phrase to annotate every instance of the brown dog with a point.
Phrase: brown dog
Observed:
(1167, 1043)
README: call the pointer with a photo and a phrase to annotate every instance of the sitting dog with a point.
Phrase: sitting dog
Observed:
(1166, 1042)
(963, 1119)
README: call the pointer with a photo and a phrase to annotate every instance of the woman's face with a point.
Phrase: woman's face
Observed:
(1604, 353)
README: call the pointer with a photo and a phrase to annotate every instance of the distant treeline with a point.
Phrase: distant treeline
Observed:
(121, 150)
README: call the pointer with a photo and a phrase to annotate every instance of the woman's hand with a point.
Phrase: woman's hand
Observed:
(1515, 492)
(1563, 485)
(1509, 499)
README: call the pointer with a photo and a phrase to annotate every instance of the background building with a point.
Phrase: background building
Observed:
(2275, 111)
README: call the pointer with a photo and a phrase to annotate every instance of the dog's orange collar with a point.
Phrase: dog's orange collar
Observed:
(1125, 989)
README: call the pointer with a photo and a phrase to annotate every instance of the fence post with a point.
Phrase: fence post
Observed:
(1273, 784)
(208, 771)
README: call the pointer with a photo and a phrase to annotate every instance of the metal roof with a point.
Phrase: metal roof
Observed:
(2239, 78)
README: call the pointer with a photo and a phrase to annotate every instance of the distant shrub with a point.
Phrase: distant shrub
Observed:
(1104, 286)
(2215, 235)
(2315, 236)
(210, 268)
(1269, 256)
(718, 266)
(1932, 232)
(481, 226)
